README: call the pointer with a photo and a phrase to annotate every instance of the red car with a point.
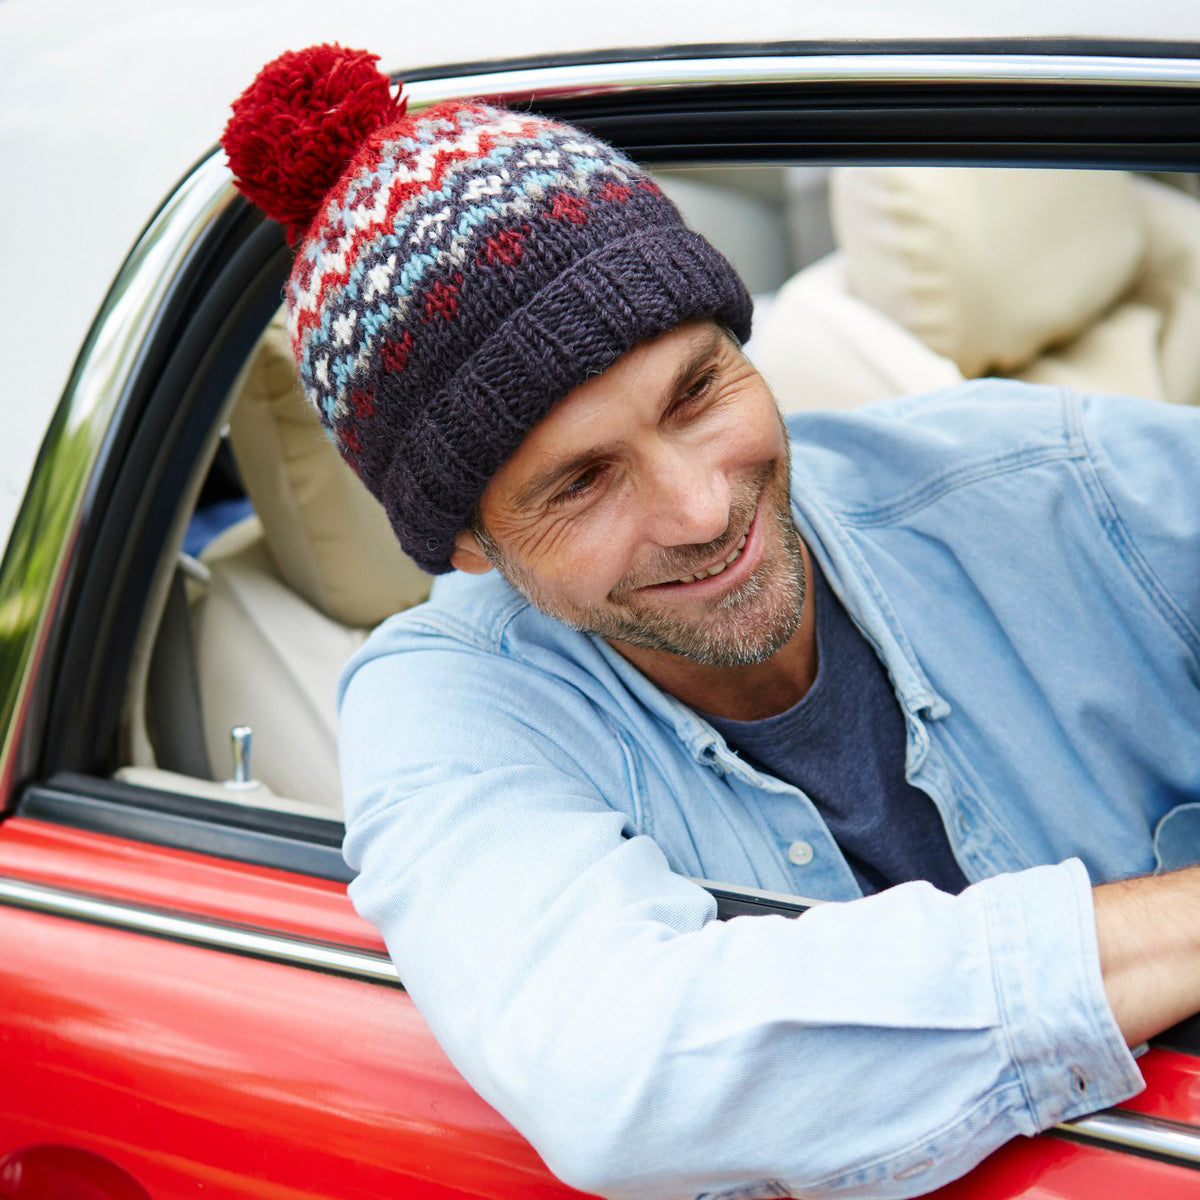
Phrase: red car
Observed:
(190, 1005)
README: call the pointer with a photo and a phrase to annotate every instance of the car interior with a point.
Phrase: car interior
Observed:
(870, 281)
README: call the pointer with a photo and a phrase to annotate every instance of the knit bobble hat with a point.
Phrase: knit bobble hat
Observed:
(457, 272)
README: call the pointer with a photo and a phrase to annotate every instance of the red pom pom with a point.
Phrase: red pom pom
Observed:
(295, 129)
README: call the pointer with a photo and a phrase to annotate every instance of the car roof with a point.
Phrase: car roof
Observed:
(104, 107)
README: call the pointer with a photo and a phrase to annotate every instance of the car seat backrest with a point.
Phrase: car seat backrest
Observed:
(988, 267)
(820, 347)
(1082, 278)
(1169, 285)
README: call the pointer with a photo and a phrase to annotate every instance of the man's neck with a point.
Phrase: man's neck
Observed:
(746, 693)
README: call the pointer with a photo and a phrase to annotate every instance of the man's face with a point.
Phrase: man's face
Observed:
(650, 506)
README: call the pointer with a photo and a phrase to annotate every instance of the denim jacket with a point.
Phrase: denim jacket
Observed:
(524, 808)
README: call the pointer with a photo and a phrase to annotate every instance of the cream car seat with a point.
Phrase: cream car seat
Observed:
(1085, 278)
(294, 590)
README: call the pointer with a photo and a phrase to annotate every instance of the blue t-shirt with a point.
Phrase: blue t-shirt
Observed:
(843, 745)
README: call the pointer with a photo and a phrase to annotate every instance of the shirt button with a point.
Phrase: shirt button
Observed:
(800, 854)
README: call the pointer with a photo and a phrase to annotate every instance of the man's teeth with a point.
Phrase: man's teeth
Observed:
(733, 556)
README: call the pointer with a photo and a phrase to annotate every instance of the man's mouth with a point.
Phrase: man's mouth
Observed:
(717, 567)
(720, 560)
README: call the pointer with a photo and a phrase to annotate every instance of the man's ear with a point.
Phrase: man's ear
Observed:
(468, 554)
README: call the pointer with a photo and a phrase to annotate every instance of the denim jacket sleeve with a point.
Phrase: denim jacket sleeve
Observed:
(648, 1050)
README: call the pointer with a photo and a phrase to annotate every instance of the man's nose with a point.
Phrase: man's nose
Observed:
(688, 501)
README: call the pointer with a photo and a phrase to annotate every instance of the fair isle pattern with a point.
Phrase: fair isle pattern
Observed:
(416, 216)
(470, 267)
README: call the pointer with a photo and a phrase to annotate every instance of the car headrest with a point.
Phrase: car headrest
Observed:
(988, 267)
(329, 539)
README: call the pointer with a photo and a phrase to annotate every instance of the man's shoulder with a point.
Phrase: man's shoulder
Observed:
(997, 414)
(890, 452)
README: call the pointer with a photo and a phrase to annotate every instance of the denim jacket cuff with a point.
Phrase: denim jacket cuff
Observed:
(1066, 1046)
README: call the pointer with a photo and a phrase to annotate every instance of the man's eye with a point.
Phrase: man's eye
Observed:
(699, 386)
(579, 486)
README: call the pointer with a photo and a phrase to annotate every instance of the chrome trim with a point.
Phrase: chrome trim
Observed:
(35, 564)
(1119, 1129)
(216, 935)
(584, 79)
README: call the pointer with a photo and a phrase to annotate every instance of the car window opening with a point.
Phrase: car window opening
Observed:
(292, 563)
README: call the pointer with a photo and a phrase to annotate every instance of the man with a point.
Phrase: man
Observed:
(933, 664)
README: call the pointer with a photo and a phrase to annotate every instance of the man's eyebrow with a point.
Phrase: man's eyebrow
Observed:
(546, 478)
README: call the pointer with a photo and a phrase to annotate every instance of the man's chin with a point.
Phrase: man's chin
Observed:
(746, 627)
